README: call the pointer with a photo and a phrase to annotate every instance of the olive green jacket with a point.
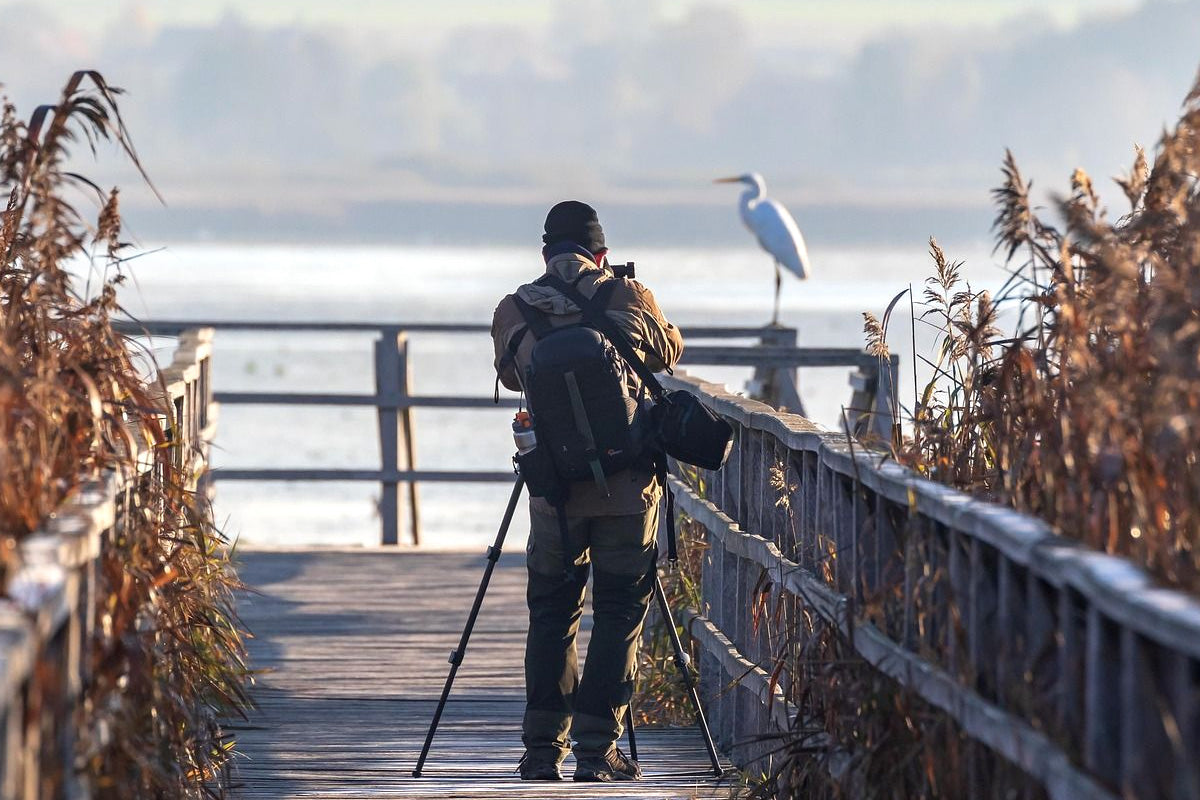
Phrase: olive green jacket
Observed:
(633, 307)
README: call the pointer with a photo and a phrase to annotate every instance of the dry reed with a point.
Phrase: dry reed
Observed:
(1084, 416)
(167, 653)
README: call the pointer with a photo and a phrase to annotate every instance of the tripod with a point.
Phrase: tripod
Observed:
(682, 660)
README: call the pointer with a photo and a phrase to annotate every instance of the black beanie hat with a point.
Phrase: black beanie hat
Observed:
(573, 221)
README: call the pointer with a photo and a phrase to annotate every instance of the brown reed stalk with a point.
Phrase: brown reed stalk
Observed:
(167, 655)
(1085, 415)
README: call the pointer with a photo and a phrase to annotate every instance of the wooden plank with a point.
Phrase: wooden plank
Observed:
(1008, 735)
(384, 401)
(373, 475)
(772, 357)
(408, 432)
(352, 646)
(387, 383)
(1120, 590)
(168, 327)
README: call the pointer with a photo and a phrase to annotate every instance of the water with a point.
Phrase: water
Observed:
(416, 284)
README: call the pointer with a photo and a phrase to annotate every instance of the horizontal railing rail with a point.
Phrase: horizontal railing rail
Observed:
(394, 400)
(1067, 662)
(175, 327)
(48, 620)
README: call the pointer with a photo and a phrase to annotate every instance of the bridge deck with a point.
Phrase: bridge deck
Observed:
(353, 646)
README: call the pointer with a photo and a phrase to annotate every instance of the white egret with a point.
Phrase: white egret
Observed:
(774, 228)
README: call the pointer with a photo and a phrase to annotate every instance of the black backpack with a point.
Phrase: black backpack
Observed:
(587, 424)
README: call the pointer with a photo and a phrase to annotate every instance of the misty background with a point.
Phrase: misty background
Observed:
(461, 121)
(394, 160)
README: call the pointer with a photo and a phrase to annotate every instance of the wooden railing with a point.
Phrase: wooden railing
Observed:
(1066, 662)
(47, 621)
(775, 359)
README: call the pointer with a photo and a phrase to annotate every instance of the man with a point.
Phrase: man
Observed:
(613, 533)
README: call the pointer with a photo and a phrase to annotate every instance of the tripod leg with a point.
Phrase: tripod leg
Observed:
(629, 730)
(682, 662)
(456, 657)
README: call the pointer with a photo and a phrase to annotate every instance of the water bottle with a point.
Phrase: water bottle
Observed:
(523, 433)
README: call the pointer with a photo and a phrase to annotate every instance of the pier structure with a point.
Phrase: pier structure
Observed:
(1065, 664)
(771, 351)
(50, 614)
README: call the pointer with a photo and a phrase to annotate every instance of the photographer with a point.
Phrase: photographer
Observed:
(609, 528)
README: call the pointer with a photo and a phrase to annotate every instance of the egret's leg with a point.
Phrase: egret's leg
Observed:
(778, 284)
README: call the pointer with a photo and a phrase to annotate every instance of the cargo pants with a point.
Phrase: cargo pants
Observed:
(621, 552)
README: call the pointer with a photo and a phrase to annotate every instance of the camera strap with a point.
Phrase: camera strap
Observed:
(509, 357)
(660, 471)
(560, 512)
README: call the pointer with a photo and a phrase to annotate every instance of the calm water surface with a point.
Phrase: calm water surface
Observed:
(414, 284)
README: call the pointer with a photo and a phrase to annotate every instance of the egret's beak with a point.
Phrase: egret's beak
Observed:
(728, 180)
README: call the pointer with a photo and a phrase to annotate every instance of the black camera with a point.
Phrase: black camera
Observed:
(623, 270)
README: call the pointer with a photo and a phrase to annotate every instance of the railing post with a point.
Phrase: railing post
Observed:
(870, 412)
(410, 443)
(887, 385)
(392, 389)
(777, 386)
(1102, 711)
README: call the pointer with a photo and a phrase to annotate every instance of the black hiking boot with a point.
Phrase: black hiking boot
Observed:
(539, 768)
(612, 766)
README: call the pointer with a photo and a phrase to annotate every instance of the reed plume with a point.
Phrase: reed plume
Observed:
(1083, 415)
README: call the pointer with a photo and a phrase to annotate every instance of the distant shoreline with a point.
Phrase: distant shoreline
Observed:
(406, 222)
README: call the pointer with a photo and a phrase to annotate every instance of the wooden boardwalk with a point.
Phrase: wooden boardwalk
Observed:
(353, 646)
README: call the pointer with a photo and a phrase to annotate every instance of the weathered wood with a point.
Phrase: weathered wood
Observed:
(771, 357)
(168, 327)
(353, 646)
(373, 400)
(776, 385)
(408, 432)
(1056, 635)
(1102, 698)
(395, 476)
(1004, 733)
(388, 383)
(47, 619)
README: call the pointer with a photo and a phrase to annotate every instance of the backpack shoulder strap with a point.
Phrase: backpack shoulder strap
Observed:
(593, 312)
(603, 295)
(509, 357)
(536, 320)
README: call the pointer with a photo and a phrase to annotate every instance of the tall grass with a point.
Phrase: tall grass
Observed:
(168, 651)
(1086, 416)
(1083, 414)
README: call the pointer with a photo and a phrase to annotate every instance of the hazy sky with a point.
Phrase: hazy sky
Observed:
(321, 106)
(770, 20)
(821, 26)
